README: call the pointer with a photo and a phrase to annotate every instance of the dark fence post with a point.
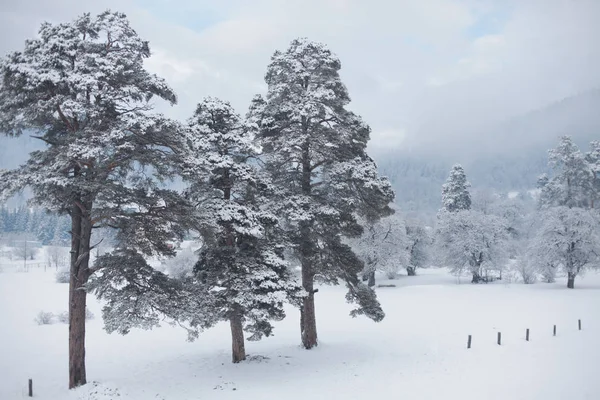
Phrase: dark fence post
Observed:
(554, 331)
(30, 387)
(499, 338)
(527, 334)
(469, 342)
(579, 323)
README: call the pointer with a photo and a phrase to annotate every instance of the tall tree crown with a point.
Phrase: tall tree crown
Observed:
(455, 192)
(571, 183)
(315, 151)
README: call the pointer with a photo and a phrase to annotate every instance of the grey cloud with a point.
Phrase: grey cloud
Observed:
(410, 66)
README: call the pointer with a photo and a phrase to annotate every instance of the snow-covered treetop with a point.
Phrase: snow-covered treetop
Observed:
(82, 87)
(455, 192)
(572, 179)
(77, 75)
(593, 156)
(303, 120)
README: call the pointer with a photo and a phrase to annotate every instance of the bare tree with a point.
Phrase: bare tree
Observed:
(57, 256)
(25, 250)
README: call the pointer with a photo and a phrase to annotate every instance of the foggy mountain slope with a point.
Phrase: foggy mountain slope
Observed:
(507, 157)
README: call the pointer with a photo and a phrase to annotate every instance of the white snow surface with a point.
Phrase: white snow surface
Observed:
(417, 352)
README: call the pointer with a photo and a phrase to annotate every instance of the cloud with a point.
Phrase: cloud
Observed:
(422, 73)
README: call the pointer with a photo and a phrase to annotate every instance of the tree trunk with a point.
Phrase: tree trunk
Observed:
(238, 350)
(411, 271)
(307, 313)
(476, 277)
(81, 230)
(371, 279)
(571, 280)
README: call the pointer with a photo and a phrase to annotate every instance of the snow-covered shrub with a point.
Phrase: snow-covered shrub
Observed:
(391, 273)
(63, 275)
(44, 318)
(527, 271)
(549, 273)
(63, 317)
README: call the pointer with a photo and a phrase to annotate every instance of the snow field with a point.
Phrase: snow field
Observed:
(417, 352)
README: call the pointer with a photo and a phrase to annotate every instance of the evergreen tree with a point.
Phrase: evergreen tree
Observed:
(81, 86)
(241, 266)
(455, 192)
(593, 159)
(315, 151)
(572, 178)
(567, 237)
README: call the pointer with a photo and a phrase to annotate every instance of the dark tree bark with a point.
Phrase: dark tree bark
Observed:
(476, 277)
(308, 317)
(307, 313)
(371, 279)
(411, 271)
(81, 230)
(238, 350)
(571, 280)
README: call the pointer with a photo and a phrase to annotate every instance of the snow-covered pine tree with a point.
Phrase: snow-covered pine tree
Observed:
(593, 159)
(571, 182)
(568, 235)
(315, 150)
(241, 266)
(455, 192)
(419, 247)
(82, 88)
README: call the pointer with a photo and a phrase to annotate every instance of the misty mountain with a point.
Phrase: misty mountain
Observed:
(506, 157)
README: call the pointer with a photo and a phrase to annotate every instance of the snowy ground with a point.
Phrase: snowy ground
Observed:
(417, 352)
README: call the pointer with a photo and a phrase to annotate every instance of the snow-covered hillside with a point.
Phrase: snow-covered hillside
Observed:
(417, 352)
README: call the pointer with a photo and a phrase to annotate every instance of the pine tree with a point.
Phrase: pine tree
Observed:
(572, 178)
(593, 159)
(315, 151)
(241, 264)
(455, 192)
(81, 86)
(567, 236)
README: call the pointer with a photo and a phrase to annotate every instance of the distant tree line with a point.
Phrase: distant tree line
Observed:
(36, 224)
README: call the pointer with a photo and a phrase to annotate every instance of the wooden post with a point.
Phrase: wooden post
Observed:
(579, 323)
(469, 342)
(30, 387)
(527, 334)
(554, 331)
(499, 338)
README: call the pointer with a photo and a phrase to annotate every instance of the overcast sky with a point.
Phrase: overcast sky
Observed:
(418, 71)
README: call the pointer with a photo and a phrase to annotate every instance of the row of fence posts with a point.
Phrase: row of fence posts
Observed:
(499, 341)
(468, 347)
